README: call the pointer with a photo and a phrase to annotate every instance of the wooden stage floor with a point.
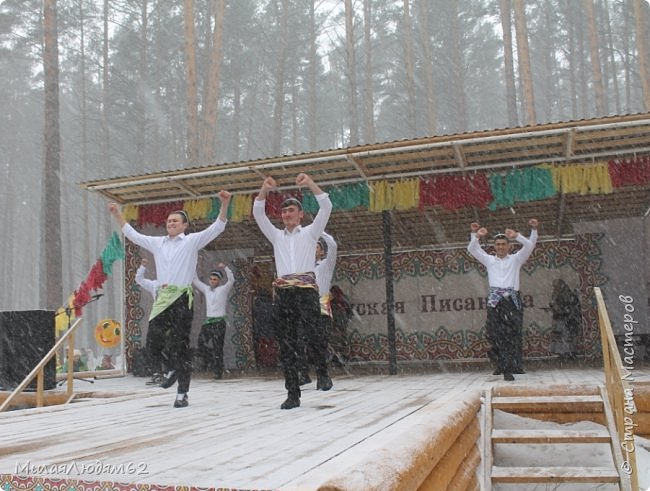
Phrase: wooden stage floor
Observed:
(233, 434)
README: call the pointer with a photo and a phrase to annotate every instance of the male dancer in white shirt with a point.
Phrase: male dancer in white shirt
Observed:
(505, 314)
(296, 308)
(176, 256)
(213, 330)
(155, 339)
(315, 342)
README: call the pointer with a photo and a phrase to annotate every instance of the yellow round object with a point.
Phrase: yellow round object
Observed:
(64, 317)
(108, 332)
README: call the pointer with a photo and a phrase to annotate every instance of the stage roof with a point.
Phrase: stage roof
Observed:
(360, 230)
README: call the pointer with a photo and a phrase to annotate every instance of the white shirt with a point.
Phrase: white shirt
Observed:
(294, 251)
(325, 267)
(175, 258)
(146, 284)
(504, 273)
(216, 299)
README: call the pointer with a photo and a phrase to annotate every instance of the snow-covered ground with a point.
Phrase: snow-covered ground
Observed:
(233, 434)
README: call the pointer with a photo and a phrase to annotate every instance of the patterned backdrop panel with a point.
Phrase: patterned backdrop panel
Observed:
(439, 302)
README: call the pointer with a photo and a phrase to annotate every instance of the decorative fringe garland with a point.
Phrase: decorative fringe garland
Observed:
(521, 185)
(452, 192)
(582, 179)
(455, 192)
(401, 195)
(629, 172)
(99, 273)
(156, 214)
(197, 209)
(343, 198)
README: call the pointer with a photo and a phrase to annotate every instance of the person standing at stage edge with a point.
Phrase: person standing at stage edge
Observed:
(176, 256)
(505, 313)
(296, 308)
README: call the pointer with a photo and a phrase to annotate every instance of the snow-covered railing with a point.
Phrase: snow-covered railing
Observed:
(620, 395)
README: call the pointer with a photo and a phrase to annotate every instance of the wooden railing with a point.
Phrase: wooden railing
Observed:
(620, 395)
(39, 371)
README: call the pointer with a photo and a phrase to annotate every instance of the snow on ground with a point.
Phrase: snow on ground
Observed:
(592, 454)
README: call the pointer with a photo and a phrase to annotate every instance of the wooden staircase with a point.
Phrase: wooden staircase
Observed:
(559, 404)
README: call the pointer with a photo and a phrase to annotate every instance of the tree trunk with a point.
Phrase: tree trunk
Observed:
(596, 72)
(627, 65)
(368, 92)
(611, 56)
(312, 74)
(280, 78)
(141, 138)
(458, 70)
(549, 76)
(191, 97)
(106, 140)
(84, 137)
(52, 195)
(640, 26)
(352, 73)
(509, 67)
(427, 67)
(409, 68)
(571, 55)
(525, 72)
(211, 99)
(236, 112)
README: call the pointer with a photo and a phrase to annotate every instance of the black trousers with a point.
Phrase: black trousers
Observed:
(295, 311)
(172, 328)
(504, 333)
(210, 345)
(313, 345)
(155, 347)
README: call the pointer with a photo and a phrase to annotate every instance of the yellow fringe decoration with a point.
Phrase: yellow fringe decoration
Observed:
(582, 178)
(130, 213)
(197, 209)
(401, 195)
(241, 207)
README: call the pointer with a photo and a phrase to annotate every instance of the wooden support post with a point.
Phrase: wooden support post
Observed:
(390, 296)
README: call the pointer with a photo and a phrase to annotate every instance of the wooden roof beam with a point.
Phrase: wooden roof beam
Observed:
(560, 214)
(569, 143)
(357, 165)
(459, 155)
(188, 189)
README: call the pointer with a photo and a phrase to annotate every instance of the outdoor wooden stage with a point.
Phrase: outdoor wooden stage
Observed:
(233, 434)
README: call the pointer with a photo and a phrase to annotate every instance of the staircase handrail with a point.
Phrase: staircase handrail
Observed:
(620, 393)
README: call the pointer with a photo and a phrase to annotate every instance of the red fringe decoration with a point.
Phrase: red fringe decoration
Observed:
(274, 202)
(454, 192)
(96, 278)
(157, 214)
(629, 172)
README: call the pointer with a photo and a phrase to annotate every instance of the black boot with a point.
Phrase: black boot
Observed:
(303, 378)
(184, 402)
(324, 382)
(291, 402)
(169, 379)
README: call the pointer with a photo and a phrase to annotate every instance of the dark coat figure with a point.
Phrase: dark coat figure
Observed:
(341, 314)
(567, 320)
(264, 342)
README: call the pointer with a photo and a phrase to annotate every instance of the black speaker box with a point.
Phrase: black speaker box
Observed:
(25, 338)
